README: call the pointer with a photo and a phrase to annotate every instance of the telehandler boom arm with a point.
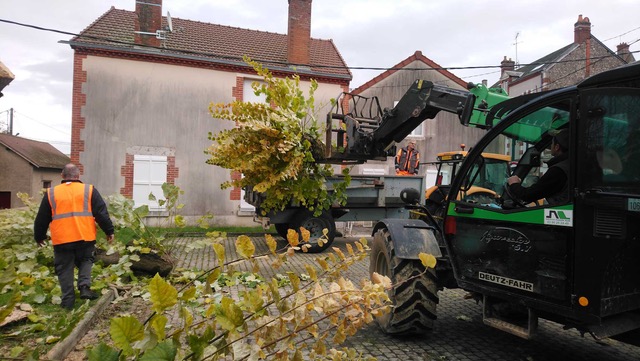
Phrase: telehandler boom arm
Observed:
(368, 133)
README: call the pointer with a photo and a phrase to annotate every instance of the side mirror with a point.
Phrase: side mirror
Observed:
(531, 158)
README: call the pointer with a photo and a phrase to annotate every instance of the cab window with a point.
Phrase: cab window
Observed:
(611, 129)
(524, 144)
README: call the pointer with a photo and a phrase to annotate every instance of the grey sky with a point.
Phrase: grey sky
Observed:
(368, 33)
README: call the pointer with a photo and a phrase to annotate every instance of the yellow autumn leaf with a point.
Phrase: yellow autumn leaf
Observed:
(271, 243)
(220, 252)
(312, 272)
(350, 250)
(292, 238)
(245, 247)
(380, 279)
(428, 260)
(323, 264)
(305, 234)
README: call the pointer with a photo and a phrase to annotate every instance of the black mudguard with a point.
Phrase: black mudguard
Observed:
(410, 237)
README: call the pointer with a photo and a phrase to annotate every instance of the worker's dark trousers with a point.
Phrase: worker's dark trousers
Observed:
(68, 256)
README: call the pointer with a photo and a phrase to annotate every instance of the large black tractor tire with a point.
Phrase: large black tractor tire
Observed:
(414, 295)
(282, 229)
(315, 226)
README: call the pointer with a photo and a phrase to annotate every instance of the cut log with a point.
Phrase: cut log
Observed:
(105, 259)
(149, 263)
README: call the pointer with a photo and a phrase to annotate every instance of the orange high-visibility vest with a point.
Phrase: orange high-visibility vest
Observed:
(72, 217)
(407, 161)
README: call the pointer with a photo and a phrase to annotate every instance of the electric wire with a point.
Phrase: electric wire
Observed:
(15, 112)
(625, 33)
(99, 38)
(239, 59)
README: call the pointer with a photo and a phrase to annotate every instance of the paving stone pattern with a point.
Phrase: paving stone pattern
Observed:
(459, 334)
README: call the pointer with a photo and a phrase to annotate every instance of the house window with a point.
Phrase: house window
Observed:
(248, 94)
(149, 173)
(418, 131)
(46, 184)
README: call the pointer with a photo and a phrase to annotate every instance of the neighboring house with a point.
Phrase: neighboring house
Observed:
(566, 66)
(6, 77)
(443, 133)
(27, 166)
(141, 94)
(569, 65)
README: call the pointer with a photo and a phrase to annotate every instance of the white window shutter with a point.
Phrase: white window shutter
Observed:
(149, 173)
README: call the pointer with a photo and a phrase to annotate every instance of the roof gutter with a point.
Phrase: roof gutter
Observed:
(301, 70)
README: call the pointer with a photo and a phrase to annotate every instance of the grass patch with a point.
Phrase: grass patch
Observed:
(45, 326)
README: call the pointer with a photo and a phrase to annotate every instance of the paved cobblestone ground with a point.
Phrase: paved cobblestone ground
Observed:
(459, 333)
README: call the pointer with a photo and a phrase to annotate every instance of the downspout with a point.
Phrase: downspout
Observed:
(588, 55)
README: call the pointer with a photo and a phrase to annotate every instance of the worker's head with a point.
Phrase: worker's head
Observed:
(560, 141)
(412, 144)
(70, 171)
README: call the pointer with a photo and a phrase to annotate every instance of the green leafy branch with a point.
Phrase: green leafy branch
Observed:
(275, 145)
(263, 323)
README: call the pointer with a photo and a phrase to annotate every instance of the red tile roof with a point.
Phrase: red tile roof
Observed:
(212, 42)
(39, 154)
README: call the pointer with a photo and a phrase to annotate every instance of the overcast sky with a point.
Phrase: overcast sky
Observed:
(368, 33)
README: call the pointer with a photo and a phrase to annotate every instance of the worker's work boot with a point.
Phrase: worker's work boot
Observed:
(87, 294)
(67, 306)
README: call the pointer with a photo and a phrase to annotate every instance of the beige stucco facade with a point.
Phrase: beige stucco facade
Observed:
(136, 107)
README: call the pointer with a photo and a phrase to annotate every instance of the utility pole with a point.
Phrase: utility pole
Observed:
(10, 121)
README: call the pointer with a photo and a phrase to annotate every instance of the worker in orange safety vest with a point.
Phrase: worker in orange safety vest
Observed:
(408, 160)
(71, 210)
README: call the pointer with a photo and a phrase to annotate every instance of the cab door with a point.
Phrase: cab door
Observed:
(509, 250)
(607, 248)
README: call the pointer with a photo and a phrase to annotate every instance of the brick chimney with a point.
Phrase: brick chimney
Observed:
(507, 65)
(148, 20)
(299, 35)
(581, 30)
(624, 53)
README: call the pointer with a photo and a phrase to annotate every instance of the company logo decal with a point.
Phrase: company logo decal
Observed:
(516, 240)
(509, 282)
(558, 217)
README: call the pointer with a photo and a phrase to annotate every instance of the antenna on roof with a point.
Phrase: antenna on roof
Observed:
(516, 44)
(169, 24)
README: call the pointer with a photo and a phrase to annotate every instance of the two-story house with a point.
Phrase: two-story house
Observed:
(142, 85)
(584, 57)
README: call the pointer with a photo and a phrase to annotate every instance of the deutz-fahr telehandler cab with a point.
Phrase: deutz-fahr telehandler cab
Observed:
(576, 263)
